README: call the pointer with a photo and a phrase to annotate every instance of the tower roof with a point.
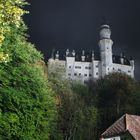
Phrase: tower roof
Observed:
(106, 26)
(105, 31)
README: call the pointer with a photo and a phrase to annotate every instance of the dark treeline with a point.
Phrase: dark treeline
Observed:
(85, 111)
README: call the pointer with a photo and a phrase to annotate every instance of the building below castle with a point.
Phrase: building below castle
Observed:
(91, 66)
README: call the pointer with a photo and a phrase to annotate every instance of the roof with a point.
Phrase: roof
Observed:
(88, 57)
(127, 123)
(116, 59)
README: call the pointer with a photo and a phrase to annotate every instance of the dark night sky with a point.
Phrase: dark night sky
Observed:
(75, 24)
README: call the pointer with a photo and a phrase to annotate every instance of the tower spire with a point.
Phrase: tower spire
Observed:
(104, 21)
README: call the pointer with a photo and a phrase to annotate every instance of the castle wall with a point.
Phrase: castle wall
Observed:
(123, 69)
(83, 71)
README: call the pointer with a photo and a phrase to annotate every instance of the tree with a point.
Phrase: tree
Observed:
(87, 128)
(27, 103)
(69, 109)
(10, 16)
(77, 116)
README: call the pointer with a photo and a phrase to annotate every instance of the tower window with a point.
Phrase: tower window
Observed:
(108, 68)
(113, 68)
(97, 66)
(90, 75)
(97, 73)
(79, 74)
(69, 66)
(69, 74)
(129, 71)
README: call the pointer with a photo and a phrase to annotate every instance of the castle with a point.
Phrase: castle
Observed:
(91, 66)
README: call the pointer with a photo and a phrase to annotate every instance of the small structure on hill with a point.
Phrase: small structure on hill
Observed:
(126, 128)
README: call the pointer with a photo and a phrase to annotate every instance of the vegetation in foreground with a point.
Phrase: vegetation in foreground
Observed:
(27, 103)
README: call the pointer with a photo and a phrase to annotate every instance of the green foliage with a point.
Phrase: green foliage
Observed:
(27, 106)
(10, 18)
(89, 117)
(68, 109)
(85, 111)
(27, 103)
(77, 118)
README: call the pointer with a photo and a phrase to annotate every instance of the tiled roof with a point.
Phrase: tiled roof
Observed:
(133, 125)
(127, 123)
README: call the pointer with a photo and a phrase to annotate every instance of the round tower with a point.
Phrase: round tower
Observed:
(105, 44)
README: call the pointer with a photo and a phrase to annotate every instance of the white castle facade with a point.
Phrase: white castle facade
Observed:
(88, 66)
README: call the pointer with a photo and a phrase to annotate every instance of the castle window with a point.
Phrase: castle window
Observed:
(75, 74)
(87, 67)
(90, 75)
(69, 74)
(108, 68)
(119, 69)
(113, 68)
(77, 67)
(69, 66)
(97, 66)
(97, 73)
(129, 71)
(85, 74)
(79, 74)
